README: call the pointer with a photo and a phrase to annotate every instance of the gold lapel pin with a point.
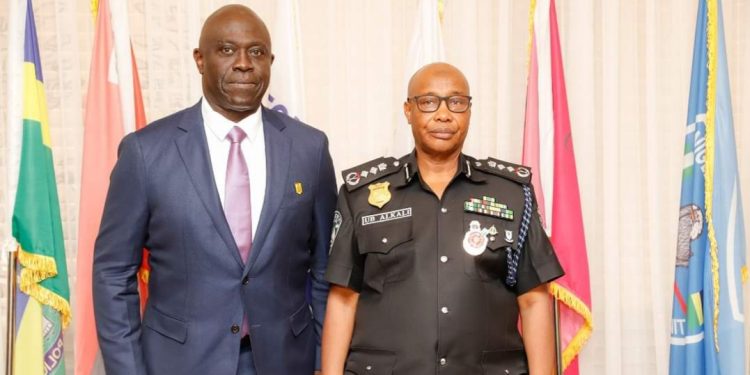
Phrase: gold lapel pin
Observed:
(298, 188)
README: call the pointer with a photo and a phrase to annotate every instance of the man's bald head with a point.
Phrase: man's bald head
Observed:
(430, 71)
(230, 12)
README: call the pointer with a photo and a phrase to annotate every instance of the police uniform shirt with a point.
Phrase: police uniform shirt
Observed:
(426, 306)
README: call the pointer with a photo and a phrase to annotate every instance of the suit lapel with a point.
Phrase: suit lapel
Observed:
(193, 150)
(278, 155)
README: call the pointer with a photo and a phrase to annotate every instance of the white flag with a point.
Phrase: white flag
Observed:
(286, 93)
(426, 47)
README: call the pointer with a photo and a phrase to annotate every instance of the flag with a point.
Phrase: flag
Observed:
(426, 47)
(43, 307)
(113, 108)
(548, 150)
(707, 309)
(286, 93)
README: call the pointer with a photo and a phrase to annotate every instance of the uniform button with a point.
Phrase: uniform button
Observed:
(444, 259)
(368, 368)
(245, 280)
(492, 238)
(443, 361)
(443, 210)
(385, 240)
(444, 310)
(235, 328)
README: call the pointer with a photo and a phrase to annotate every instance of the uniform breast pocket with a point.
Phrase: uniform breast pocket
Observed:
(389, 252)
(505, 362)
(494, 236)
(370, 362)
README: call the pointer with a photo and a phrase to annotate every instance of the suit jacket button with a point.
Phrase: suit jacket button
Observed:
(235, 328)
(245, 280)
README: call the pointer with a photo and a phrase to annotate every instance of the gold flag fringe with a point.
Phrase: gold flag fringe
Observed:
(712, 45)
(34, 269)
(584, 333)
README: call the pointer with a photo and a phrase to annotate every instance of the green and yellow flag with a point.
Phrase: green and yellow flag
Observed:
(43, 307)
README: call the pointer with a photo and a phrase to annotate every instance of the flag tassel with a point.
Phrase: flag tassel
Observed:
(35, 269)
(564, 296)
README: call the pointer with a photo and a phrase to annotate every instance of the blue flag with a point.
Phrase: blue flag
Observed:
(707, 313)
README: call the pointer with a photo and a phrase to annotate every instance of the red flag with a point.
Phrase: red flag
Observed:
(548, 149)
(113, 108)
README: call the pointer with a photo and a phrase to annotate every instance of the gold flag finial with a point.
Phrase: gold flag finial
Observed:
(94, 9)
(441, 10)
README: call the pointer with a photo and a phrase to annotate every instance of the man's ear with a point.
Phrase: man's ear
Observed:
(198, 57)
(407, 111)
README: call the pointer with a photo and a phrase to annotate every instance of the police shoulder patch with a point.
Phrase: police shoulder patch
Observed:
(373, 170)
(514, 172)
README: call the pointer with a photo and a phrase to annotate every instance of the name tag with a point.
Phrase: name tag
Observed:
(386, 216)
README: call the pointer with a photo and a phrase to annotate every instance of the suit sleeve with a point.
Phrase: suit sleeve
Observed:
(117, 257)
(325, 203)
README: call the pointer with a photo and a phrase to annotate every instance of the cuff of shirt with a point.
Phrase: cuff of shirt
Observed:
(545, 273)
(341, 275)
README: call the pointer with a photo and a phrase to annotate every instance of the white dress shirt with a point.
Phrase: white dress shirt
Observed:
(253, 148)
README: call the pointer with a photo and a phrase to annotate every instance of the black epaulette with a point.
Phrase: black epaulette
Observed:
(363, 174)
(514, 172)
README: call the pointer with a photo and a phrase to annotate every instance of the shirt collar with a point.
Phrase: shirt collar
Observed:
(410, 169)
(219, 126)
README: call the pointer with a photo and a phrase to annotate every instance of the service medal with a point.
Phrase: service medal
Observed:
(379, 194)
(475, 239)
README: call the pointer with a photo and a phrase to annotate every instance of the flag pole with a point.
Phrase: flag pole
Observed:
(558, 352)
(11, 313)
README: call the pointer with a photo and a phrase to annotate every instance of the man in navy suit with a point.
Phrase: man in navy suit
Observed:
(235, 203)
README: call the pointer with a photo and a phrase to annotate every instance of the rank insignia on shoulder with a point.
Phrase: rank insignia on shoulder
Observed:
(379, 194)
(515, 172)
(488, 206)
(363, 174)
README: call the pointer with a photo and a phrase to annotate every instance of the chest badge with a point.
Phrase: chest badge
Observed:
(489, 206)
(379, 194)
(475, 239)
(508, 236)
(298, 188)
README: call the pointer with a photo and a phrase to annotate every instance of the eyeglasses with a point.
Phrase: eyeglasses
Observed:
(431, 103)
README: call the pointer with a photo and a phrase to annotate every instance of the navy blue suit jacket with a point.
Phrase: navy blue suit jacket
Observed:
(162, 196)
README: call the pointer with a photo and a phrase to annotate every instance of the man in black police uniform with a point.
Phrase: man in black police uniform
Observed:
(435, 255)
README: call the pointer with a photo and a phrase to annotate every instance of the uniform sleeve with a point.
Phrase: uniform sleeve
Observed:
(345, 263)
(538, 263)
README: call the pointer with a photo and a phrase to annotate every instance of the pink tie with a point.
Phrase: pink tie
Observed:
(237, 207)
